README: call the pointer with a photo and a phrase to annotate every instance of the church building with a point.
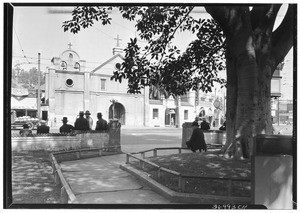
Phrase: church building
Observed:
(70, 87)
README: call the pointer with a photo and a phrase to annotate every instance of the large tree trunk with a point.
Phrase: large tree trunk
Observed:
(250, 64)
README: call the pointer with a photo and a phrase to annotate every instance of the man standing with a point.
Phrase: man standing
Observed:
(81, 123)
(101, 123)
(205, 125)
(89, 119)
(66, 128)
(197, 140)
(43, 128)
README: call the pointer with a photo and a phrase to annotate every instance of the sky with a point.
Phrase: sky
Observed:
(39, 30)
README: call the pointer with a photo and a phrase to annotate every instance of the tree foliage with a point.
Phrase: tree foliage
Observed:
(160, 63)
(252, 50)
(29, 79)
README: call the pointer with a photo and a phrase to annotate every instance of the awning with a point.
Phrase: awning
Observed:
(170, 111)
(26, 103)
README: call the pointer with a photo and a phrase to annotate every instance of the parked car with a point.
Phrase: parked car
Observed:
(19, 121)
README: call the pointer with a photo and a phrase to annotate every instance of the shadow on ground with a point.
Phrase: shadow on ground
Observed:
(32, 179)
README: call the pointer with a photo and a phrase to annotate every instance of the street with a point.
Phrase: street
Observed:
(133, 140)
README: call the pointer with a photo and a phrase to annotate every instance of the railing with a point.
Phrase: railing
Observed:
(181, 177)
(80, 151)
(65, 191)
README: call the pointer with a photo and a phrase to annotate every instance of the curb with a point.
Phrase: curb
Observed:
(182, 197)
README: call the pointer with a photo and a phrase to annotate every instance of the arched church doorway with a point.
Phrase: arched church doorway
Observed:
(117, 111)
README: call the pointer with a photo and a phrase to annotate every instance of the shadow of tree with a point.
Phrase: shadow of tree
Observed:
(97, 175)
(32, 179)
(205, 165)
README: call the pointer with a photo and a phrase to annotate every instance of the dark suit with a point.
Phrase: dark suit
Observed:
(81, 124)
(43, 129)
(66, 128)
(101, 125)
(197, 141)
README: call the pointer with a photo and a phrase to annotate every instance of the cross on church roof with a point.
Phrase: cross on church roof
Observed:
(118, 39)
(70, 45)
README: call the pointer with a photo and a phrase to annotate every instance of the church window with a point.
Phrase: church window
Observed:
(103, 84)
(70, 55)
(63, 65)
(155, 113)
(69, 82)
(77, 66)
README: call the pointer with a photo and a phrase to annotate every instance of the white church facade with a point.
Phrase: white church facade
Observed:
(71, 88)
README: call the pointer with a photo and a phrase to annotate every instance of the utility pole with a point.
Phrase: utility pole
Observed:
(39, 89)
(278, 120)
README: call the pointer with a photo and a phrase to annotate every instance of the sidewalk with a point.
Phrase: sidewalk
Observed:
(101, 181)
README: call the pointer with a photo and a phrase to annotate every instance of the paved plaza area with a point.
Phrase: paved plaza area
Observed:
(101, 181)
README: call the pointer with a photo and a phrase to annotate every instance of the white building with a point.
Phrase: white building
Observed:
(71, 88)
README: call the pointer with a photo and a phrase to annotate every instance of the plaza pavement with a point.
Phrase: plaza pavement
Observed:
(101, 181)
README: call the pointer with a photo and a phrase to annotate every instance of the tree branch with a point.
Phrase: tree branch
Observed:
(219, 14)
(282, 37)
(264, 15)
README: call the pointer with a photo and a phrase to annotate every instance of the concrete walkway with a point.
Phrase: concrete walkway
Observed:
(101, 181)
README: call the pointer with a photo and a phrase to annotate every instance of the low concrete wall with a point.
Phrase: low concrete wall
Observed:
(80, 140)
(59, 143)
(93, 140)
(210, 136)
(50, 143)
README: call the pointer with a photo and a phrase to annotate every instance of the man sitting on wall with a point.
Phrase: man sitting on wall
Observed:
(66, 128)
(101, 124)
(197, 140)
(81, 123)
(25, 131)
(89, 119)
(43, 128)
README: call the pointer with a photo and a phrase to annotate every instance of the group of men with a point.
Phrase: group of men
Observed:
(84, 123)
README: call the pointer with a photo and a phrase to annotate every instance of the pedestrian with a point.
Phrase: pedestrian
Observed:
(197, 141)
(81, 123)
(204, 125)
(25, 131)
(43, 128)
(66, 128)
(89, 119)
(197, 119)
(101, 124)
(172, 121)
(223, 127)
